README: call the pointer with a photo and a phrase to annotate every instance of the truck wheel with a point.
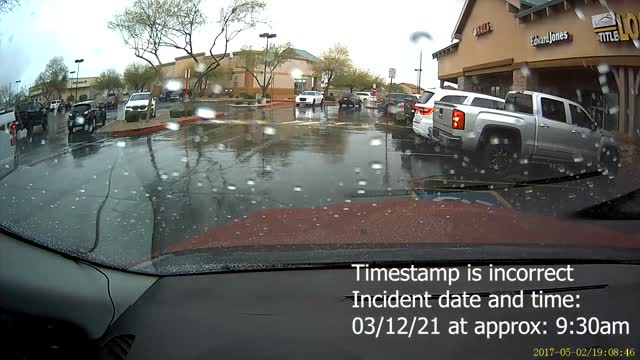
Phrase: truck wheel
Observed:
(609, 162)
(498, 154)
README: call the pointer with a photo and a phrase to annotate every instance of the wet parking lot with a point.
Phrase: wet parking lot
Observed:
(95, 192)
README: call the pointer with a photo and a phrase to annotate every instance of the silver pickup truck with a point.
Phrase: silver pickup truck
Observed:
(533, 126)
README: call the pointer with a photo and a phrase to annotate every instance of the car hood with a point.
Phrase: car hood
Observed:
(138, 103)
(402, 222)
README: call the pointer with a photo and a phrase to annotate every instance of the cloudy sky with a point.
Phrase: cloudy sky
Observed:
(378, 36)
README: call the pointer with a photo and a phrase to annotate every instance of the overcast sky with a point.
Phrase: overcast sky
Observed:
(377, 34)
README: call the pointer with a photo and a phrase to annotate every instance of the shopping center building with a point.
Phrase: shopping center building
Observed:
(584, 50)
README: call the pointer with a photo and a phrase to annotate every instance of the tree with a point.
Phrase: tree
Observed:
(7, 6)
(355, 78)
(71, 98)
(137, 76)
(254, 62)
(144, 26)
(200, 85)
(109, 80)
(53, 80)
(332, 62)
(82, 97)
(396, 88)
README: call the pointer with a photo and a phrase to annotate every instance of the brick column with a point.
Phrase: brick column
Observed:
(464, 83)
(524, 80)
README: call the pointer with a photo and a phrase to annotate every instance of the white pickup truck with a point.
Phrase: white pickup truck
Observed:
(532, 126)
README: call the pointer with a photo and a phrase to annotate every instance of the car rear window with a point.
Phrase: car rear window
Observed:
(488, 103)
(454, 99)
(426, 96)
(522, 103)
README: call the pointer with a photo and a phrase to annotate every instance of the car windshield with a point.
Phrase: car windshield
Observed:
(136, 97)
(527, 118)
(81, 108)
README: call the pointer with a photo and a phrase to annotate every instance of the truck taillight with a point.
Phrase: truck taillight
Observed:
(457, 120)
(13, 132)
(425, 111)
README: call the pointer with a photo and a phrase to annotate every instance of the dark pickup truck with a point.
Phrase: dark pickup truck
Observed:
(31, 114)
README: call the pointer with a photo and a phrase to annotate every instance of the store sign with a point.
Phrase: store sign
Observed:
(482, 29)
(550, 38)
(612, 27)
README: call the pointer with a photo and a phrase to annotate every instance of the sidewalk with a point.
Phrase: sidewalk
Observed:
(122, 128)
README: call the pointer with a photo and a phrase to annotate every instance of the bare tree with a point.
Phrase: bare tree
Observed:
(7, 6)
(53, 80)
(144, 27)
(255, 62)
(137, 76)
(109, 80)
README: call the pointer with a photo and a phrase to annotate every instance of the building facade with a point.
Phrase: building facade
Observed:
(577, 49)
(84, 86)
(292, 77)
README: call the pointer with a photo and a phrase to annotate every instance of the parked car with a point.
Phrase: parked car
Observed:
(174, 96)
(139, 102)
(312, 98)
(423, 110)
(533, 126)
(30, 115)
(111, 102)
(394, 103)
(86, 115)
(53, 106)
(8, 142)
(366, 97)
(350, 100)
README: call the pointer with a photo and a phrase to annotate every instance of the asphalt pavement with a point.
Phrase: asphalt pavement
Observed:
(124, 198)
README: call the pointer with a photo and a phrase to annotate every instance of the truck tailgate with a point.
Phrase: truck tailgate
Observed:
(442, 113)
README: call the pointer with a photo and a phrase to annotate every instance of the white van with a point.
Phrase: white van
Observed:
(423, 118)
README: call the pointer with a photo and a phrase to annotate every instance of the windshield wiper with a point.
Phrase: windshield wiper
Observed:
(518, 184)
(623, 207)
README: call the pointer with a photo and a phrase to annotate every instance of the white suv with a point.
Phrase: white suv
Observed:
(54, 105)
(423, 118)
(139, 102)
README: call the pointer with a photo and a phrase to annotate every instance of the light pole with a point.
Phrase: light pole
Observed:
(73, 72)
(264, 74)
(17, 82)
(419, 71)
(78, 61)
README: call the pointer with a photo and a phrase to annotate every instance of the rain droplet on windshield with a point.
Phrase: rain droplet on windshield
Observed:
(361, 191)
(164, 176)
(603, 68)
(579, 13)
(357, 170)
(636, 42)
(524, 69)
(362, 182)
(375, 142)
(217, 88)
(197, 138)
(206, 113)
(232, 187)
(251, 182)
(297, 188)
(268, 168)
(613, 110)
(376, 165)
(184, 159)
(172, 126)
(578, 158)
(269, 130)
(175, 174)
(121, 144)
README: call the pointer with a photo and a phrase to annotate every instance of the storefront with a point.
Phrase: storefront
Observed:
(584, 50)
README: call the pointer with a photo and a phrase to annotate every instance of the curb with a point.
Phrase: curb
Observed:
(159, 127)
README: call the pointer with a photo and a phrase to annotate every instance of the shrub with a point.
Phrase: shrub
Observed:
(250, 96)
(239, 102)
(83, 97)
(177, 112)
(134, 116)
(253, 102)
(242, 95)
(70, 98)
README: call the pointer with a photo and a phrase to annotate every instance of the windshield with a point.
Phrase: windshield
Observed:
(518, 127)
(136, 97)
(81, 108)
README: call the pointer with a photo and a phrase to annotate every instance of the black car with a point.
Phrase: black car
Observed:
(32, 114)
(85, 116)
(350, 100)
(394, 99)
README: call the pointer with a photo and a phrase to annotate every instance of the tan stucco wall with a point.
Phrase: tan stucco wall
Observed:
(511, 39)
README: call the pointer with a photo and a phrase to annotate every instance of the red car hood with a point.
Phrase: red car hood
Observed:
(403, 222)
